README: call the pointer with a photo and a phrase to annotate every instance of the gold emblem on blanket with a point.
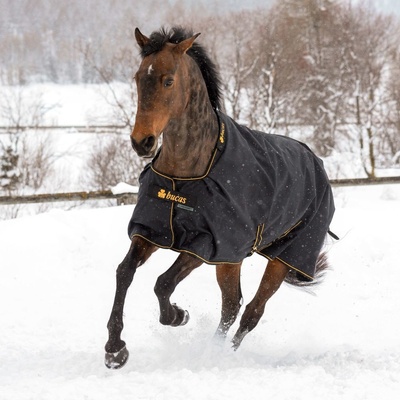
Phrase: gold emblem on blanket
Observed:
(182, 200)
(161, 194)
(222, 133)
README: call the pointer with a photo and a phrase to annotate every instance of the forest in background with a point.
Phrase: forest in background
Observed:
(330, 65)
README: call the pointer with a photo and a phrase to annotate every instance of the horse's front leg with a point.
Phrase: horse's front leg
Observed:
(228, 278)
(171, 314)
(116, 352)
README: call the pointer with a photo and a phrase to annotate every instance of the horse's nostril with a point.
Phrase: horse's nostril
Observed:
(145, 147)
(147, 143)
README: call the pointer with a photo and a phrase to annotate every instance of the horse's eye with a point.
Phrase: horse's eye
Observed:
(168, 82)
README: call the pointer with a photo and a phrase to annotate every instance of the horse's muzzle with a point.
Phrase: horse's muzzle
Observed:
(145, 148)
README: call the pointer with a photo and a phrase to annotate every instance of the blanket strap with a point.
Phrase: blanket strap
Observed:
(331, 234)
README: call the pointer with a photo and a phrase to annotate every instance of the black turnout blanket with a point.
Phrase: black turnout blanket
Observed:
(262, 193)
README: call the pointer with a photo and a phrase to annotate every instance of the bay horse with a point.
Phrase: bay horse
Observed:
(215, 192)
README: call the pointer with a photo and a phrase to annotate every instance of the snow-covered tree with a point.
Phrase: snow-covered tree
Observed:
(370, 44)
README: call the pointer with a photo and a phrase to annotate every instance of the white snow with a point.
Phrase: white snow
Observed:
(123, 187)
(57, 282)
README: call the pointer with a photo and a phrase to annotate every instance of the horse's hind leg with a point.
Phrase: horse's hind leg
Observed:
(228, 278)
(272, 279)
(116, 352)
(171, 314)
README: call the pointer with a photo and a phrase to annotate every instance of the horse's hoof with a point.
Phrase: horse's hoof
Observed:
(116, 360)
(182, 316)
(186, 318)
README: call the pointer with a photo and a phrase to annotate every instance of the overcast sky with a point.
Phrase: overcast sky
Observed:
(387, 6)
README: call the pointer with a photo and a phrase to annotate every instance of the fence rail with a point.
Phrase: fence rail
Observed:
(89, 128)
(122, 198)
(68, 128)
(365, 181)
(129, 198)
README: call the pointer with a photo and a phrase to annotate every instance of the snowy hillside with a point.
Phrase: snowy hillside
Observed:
(57, 285)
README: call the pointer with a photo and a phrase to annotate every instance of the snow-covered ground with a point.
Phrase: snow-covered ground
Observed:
(57, 285)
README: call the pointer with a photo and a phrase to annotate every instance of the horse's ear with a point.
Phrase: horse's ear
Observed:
(140, 38)
(186, 44)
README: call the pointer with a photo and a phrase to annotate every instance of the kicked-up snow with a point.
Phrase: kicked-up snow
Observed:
(57, 282)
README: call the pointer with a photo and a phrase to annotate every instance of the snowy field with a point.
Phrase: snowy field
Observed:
(57, 286)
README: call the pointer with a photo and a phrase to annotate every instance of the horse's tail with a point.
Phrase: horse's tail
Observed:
(321, 266)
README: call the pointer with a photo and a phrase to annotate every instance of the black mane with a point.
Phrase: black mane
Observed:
(207, 67)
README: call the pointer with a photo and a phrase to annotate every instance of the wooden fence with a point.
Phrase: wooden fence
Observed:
(122, 198)
(130, 198)
(66, 128)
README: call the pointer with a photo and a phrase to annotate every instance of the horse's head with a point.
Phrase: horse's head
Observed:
(163, 95)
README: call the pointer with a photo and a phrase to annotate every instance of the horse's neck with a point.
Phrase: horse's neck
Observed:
(188, 142)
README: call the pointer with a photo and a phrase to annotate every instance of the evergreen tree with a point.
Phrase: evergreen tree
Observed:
(9, 172)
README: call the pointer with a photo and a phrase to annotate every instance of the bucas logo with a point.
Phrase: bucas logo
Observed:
(181, 200)
(162, 194)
